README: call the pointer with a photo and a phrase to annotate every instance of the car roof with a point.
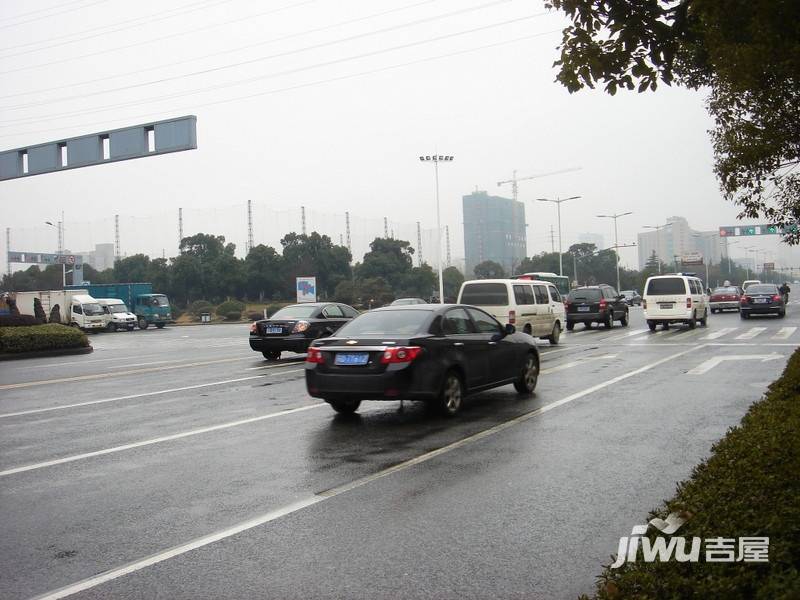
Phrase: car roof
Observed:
(514, 281)
(110, 300)
(437, 308)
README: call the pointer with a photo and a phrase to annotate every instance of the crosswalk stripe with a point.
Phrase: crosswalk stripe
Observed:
(626, 335)
(784, 333)
(719, 334)
(753, 332)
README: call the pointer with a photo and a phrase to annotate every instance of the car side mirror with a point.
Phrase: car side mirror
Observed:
(509, 329)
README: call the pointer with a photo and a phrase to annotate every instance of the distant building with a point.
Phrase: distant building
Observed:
(592, 238)
(494, 229)
(101, 258)
(678, 239)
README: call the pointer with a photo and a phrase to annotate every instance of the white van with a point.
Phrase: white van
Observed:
(674, 299)
(749, 282)
(533, 307)
(116, 315)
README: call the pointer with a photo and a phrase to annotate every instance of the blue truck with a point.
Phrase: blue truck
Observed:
(149, 308)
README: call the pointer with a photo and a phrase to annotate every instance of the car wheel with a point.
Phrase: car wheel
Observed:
(272, 355)
(143, 323)
(704, 320)
(692, 322)
(111, 327)
(555, 334)
(160, 325)
(651, 325)
(782, 314)
(570, 325)
(666, 326)
(624, 320)
(527, 329)
(743, 315)
(713, 310)
(529, 376)
(609, 322)
(588, 325)
(344, 407)
(452, 394)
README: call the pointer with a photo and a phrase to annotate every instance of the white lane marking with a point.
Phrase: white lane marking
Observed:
(627, 335)
(200, 542)
(34, 411)
(24, 384)
(288, 364)
(576, 363)
(719, 334)
(753, 332)
(158, 440)
(706, 366)
(784, 333)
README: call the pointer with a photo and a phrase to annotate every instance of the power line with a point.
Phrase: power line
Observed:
(298, 86)
(227, 51)
(144, 21)
(47, 16)
(162, 97)
(262, 58)
(156, 39)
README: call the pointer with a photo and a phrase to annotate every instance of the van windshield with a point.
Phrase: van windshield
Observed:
(92, 309)
(666, 286)
(118, 308)
(485, 294)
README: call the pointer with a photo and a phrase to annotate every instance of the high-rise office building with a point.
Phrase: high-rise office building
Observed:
(494, 229)
(677, 239)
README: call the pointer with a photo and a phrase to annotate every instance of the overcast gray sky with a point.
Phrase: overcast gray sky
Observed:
(336, 101)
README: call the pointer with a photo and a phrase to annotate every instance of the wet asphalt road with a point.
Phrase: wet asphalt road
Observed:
(161, 438)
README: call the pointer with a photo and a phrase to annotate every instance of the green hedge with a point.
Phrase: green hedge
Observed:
(200, 306)
(230, 306)
(748, 487)
(41, 337)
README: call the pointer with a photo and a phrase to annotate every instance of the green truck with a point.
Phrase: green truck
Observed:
(149, 308)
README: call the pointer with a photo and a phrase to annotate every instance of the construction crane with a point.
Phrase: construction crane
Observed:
(514, 181)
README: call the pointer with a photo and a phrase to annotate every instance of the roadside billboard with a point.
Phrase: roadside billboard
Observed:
(306, 289)
(692, 259)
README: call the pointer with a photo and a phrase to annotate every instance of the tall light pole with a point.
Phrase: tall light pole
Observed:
(658, 229)
(558, 202)
(60, 228)
(616, 216)
(436, 159)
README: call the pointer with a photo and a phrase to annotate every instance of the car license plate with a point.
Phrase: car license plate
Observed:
(273, 330)
(583, 309)
(351, 358)
(760, 300)
(666, 305)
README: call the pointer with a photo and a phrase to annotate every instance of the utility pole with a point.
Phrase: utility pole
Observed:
(419, 245)
(385, 228)
(558, 202)
(617, 246)
(447, 237)
(180, 227)
(347, 231)
(117, 251)
(552, 240)
(303, 219)
(249, 226)
(436, 159)
(8, 251)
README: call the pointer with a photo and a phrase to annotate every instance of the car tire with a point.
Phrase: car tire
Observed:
(782, 314)
(588, 324)
(344, 407)
(160, 325)
(704, 320)
(570, 325)
(651, 325)
(527, 329)
(713, 310)
(609, 322)
(143, 324)
(555, 334)
(529, 376)
(272, 355)
(111, 327)
(451, 396)
(666, 326)
(743, 315)
(624, 320)
(692, 323)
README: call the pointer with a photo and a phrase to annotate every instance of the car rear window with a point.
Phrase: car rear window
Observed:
(485, 294)
(762, 289)
(297, 311)
(725, 290)
(585, 295)
(666, 286)
(387, 323)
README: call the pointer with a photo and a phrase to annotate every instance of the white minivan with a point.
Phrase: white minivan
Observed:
(674, 299)
(533, 307)
(116, 315)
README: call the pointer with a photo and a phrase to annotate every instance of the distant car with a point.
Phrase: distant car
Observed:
(294, 327)
(596, 304)
(749, 282)
(632, 297)
(436, 353)
(725, 298)
(406, 301)
(762, 299)
(116, 315)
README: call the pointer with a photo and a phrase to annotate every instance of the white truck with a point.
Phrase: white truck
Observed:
(76, 307)
(116, 315)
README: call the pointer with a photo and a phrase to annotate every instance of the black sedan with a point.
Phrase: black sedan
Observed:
(434, 353)
(294, 327)
(762, 299)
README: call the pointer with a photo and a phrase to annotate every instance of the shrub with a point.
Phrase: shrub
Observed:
(233, 316)
(200, 306)
(749, 486)
(18, 320)
(41, 337)
(230, 306)
(255, 316)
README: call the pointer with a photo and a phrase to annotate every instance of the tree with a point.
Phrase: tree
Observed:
(489, 269)
(452, 279)
(747, 52)
(389, 259)
(375, 291)
(419, 282)
(314, 255)
(263, 269)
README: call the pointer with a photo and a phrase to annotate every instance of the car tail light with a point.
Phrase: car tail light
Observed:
(315, 356)
(567, 303)
(253, 327)
(688, 303)
(403, 354)
(300, 326)
(602, 304)
(745, 299)
(512, 316)
(776, 298)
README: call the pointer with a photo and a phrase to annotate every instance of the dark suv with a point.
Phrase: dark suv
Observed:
(596, 304)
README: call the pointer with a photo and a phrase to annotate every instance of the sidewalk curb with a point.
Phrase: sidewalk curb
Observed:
(46, 353)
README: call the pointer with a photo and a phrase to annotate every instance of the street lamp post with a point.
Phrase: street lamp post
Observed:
(558, 202)
(60, 228)
(658, 229)
(616, 216)
(436, 159)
